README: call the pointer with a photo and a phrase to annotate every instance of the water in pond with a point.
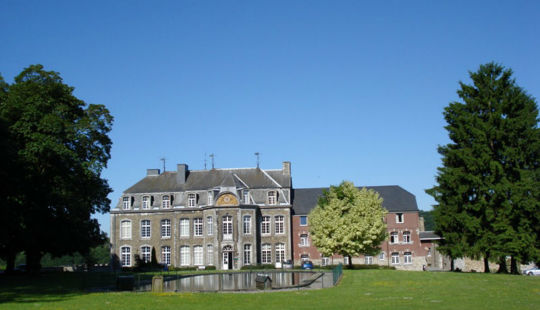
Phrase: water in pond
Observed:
(244, 281)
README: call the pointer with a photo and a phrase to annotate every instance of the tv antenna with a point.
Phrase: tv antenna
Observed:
(204, 161)
(163, 160)
(212, 156)
(257, 154)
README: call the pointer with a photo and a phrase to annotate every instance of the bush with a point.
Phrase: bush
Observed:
(256, 267)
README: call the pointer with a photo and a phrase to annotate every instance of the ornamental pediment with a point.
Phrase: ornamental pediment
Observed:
(227, 200)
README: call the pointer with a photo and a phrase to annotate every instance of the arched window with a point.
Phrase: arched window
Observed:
(272, 197)
(198, 255)
(184, 256)
(145, 229)
(266, 254)
(166, 202)
(125, 256)
(125, 229)
(165, 228)
(227, 227)
(280, 252)
(166, 255)
(279, 224)
(146, 254)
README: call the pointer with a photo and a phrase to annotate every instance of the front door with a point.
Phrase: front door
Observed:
(227, 260)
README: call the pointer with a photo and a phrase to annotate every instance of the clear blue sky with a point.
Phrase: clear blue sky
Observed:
(345, 90)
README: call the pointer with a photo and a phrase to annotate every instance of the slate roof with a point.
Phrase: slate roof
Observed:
(395, 198)
(429, 235)
(207, 179)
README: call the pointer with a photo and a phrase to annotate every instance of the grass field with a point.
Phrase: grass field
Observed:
(359, 289)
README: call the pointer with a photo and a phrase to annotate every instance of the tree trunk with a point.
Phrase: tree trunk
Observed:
(350, 262)
(513, 266)
(452, 267)
(486, 264)
(33, 261)
(10, 262)
(502, 265)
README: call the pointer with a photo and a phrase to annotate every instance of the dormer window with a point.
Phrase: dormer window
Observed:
(146, 202)
(166, 202)
(246, 196)
(125, 203)
(272, 197)
(192, 200)
(210, 198)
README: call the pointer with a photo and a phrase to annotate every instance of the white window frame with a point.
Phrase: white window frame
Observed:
(280, 252)
(165, 225)
(210, 198)
(165, 202)
(184, 227)
(382, 255)
(272, 197)
(210, 254)
(304, 240)
(279, 224)
(227, 227)
(400, 218)
(325, 261)
(246, 226)
(166, 255)
(125, 256)
(345, 260)
(146, 229)
(192, 200)
(198, 255)
(394, 237)
(146, 202)
(125, 229)
(266, 253)
(265, 225)
(368, 260)
(185, 256)
(305, 218)
(246, 196)
(247, 254)
(210, 225)
(395, 258)
(407, 258)
(126, 203)
(304, 257)
(146, 257)
(407, 237)
(198, 227)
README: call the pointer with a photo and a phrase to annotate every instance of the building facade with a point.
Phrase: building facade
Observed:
(230, 218)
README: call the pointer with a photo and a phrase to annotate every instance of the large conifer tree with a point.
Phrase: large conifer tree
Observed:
(488, 186)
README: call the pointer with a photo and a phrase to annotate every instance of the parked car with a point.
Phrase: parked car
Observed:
(532, 272)
(287, 264)
(307, 265)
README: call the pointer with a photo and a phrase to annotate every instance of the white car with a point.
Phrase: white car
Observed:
(532, 272)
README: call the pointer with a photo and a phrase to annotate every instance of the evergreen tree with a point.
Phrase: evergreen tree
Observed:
(348, 221)
(488, 186)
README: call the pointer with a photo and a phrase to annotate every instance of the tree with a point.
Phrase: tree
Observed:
(488, 186)
(61, 146)
(348, 221)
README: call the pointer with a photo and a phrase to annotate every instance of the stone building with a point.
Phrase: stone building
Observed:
(230, 218)
(226, 218)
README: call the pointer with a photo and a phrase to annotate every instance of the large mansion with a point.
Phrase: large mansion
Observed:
(230, 218)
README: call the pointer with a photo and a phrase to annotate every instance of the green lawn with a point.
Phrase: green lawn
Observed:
(359, 289)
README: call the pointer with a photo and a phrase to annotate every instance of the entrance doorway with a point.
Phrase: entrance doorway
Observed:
(227, 257)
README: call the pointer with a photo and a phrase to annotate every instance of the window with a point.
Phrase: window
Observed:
(210, 225)
(395, 258)
(184, 227)
(368, 260)
(126, 256)
(280, 252)
(304, 240)
(265, 225)
(125, 229)
(303, 220)
(429, 252)
(406, 237)
(266, 254)
(279, 219)
(393, 237)
(184, 256)
(399, 217)
(145, 254)
(146, 202)
(192, 200)
(246, 196)
(198, 255)
(345, 260)
(145, 229)
(165, 228)
(407, 258)
(125, 203)
(197, 227)
(272, 197)
(381, 256)
(247, 254)
(166, 202)
(325, 261)
(304, 257)
(166, 255)
(247, 225)
(210, 198)
(210, 254)
(227, 227)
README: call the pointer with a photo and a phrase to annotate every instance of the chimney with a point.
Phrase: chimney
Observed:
(181, 175)
(152, 172)
(287, 168)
